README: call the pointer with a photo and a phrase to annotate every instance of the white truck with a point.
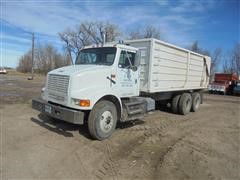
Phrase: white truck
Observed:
(117, 82)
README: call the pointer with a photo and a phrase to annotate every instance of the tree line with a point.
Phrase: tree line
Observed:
(225, 62)
(47, 57)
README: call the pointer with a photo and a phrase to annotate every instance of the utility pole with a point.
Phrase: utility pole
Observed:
(32, 56)
(32, 53)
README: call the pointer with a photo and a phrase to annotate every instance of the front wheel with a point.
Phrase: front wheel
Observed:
(102, 120)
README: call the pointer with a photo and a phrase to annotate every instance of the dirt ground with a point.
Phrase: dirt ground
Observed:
(201, 145)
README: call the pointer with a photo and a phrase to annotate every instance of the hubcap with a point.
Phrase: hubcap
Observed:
(106, 121)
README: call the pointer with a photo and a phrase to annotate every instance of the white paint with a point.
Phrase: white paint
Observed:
(170, 68)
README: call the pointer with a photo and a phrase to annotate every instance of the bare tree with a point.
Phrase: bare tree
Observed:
(87, 33)
(135, 34)
(195, 48)
(66, 37)
(228, 64)
(148, 32)
(216, 58)
(231, 63)
(46, 59)
(236, 57)
(112, 31)
(151, 32)
(25, 63)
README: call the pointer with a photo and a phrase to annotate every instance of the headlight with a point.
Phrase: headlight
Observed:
(42, 93)
(82, 102)
(43, 89)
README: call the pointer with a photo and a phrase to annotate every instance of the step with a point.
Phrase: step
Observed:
(135, 111)
(134, 103)
(139, 116)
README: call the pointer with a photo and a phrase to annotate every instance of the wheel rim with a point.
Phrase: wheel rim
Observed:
(106, 121)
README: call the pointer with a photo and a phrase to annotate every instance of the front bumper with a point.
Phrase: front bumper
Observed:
(217, 88)
(59, 112)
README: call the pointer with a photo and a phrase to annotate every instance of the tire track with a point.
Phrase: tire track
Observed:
(110, 168)
(147, 138)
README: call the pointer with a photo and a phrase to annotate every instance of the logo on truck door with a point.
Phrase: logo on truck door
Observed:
(126, 61)
(129, 76)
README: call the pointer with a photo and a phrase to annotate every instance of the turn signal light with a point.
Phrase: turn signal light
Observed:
(84, 102)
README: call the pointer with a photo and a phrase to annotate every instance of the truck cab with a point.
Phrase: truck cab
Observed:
(102, 78)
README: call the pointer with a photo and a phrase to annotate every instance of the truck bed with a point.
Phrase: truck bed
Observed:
(165, 67)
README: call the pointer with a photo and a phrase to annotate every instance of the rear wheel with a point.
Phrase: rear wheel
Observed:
(102, 120)
(185, 103)
(196, 101)
(174, 105)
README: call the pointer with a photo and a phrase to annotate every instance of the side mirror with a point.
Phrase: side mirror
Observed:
(134, 68)
(137, 58)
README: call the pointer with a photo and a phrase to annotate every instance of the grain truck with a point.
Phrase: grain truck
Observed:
(117, 82)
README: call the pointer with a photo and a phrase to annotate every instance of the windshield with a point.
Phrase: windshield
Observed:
(100, 56)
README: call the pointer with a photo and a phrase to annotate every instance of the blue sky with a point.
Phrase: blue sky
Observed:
(214, 23)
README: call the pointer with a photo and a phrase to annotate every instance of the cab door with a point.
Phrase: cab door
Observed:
(127, 74)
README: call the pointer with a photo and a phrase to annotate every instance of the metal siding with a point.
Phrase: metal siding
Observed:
(171, 68)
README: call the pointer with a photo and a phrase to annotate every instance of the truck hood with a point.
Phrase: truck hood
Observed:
(75, 69)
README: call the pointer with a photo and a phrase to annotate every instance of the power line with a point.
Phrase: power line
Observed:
(29, 32)
(33, 43)
(20, 28)
(32, 33)
(43, 34)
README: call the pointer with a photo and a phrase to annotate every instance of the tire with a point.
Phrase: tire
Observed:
(174, 105)
(202, 97)
(185, 103)
(196, 101)
(102, 120)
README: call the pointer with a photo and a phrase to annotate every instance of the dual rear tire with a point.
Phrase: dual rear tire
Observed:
(186, 102)
(196, 101)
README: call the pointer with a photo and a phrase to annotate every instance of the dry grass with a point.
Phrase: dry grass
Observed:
(13, 72)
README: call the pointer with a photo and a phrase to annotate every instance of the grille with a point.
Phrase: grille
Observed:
(56, 97)
(57, 86)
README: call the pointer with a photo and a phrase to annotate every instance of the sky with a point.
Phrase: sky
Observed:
(214, 23)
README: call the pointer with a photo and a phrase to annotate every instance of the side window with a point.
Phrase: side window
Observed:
(124, 59)
(110, 58)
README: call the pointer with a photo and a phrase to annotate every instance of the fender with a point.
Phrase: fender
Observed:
(94, 94)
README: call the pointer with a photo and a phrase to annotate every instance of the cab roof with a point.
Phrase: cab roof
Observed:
(117, 45)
